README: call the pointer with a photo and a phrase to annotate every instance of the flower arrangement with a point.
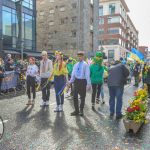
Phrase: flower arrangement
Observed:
(138, 108)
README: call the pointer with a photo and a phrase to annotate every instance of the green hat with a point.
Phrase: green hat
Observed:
(99, 54)
(98, 59)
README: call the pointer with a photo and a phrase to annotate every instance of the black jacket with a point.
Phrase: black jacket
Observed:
(117, 75)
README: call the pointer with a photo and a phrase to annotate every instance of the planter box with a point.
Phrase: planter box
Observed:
(131, 125)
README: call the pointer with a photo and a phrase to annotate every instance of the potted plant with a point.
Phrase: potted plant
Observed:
(135, 114)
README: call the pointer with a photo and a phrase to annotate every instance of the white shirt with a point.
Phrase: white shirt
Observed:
(32, 70)
(81, 70)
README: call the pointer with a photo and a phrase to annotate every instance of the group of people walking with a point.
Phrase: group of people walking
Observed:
(81, 77)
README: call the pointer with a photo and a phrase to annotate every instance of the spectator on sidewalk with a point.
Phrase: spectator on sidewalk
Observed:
(117, 76)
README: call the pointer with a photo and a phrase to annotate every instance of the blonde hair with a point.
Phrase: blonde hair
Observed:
(44, 53)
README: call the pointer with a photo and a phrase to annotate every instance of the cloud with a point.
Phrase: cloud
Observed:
(139, 13)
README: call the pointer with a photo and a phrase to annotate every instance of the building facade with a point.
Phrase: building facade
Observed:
(144, 50)
(67, 25)
(117, 33)
(9, 26)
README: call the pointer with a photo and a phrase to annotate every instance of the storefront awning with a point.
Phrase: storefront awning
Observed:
(33, 54)
(11, 52)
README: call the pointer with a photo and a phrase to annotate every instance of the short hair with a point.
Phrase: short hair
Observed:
(44, 53)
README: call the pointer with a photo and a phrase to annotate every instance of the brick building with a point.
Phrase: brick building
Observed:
(117, 33)
(67, 25)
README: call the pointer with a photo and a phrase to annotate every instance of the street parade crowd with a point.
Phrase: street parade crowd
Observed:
(77, 76)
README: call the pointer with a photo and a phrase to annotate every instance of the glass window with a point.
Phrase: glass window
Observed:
(28, 27)
(101, 11)
(101, 21)
(110, 55)
(101, 31)
(112, 42)
(62, 8)
(74, 19)
(28, 3)
(112, 9)
(113, 31)
(115, 19)
(7, 23)
(73, 33)
(51, 11)
(74, 5)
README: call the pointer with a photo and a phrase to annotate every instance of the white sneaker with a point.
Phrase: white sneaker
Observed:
(42, 103)
(47, 103)
(56, 109)
(60, 108)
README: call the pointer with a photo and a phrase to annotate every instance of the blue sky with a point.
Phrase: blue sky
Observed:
(140, 15)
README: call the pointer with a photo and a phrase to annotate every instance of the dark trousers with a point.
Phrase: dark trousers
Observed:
(59, 85)
(148, 86)
(31, 84)
(116, 92)
(79, 89)
(136, 78)
(45, 89)
(96, 89)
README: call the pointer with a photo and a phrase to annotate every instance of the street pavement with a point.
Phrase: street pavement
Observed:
(36, 128)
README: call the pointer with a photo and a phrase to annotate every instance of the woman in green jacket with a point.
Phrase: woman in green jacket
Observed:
(96, 74)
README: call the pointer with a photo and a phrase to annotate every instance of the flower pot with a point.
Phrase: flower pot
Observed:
(132, 125)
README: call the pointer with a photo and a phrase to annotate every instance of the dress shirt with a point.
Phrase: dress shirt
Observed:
(81, 70)
(32, 70)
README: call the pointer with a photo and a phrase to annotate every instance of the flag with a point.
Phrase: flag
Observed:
(138, 53)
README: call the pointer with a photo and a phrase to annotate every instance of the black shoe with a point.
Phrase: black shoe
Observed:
(81, 113)
(119, 116)
(74, 113)
(93, 108)
(111, 115)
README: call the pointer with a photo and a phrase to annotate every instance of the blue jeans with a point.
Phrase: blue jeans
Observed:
(116, 92)
(59, 83)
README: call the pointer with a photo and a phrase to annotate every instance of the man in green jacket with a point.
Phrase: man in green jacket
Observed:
(96, 75)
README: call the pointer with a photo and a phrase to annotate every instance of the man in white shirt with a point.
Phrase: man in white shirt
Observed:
(46, 69)
(81, 79)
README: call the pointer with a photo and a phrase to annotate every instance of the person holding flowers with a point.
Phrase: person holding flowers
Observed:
(96, 75)
(60, 78)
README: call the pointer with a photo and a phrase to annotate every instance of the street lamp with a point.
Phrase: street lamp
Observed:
(18, 4)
